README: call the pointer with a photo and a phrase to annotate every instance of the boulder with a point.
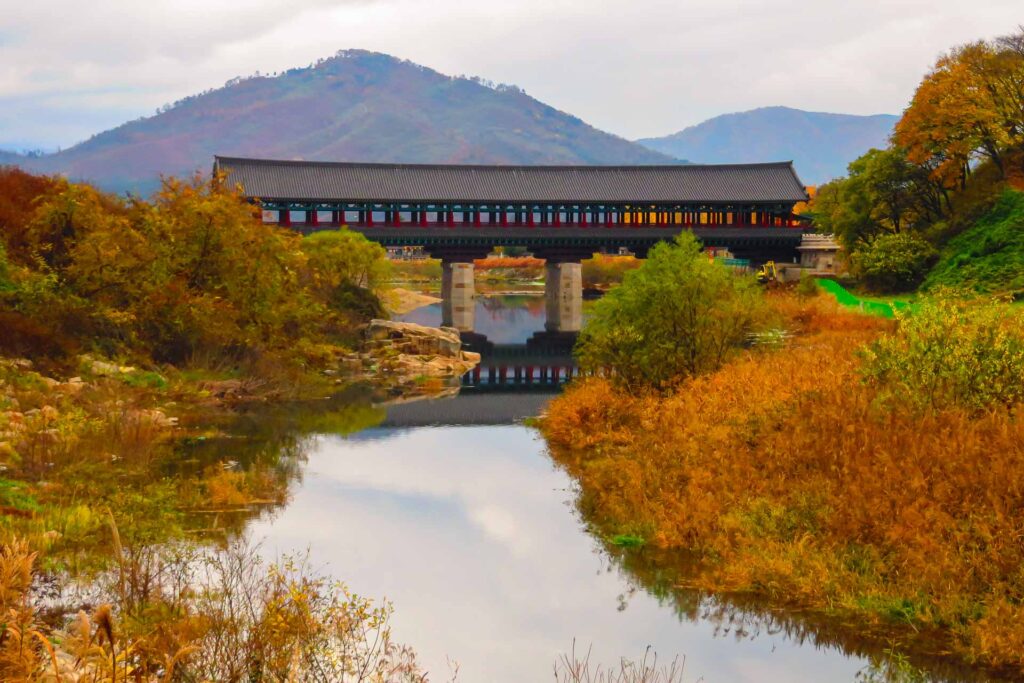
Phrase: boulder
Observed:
(413, 339)
(406, 351)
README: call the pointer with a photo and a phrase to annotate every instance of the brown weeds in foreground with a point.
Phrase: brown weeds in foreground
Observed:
(571, 668)
(182, 614)
(788, 477)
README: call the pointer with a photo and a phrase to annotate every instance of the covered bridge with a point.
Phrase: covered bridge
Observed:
(551, 196)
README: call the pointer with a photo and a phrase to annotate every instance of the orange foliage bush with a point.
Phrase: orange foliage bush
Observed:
(510, 262)
(788, 478)
(19, 194)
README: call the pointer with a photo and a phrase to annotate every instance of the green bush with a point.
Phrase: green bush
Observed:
(894, 262)
(342, 256)
(808, 286)
(951, 352)
(677, 315)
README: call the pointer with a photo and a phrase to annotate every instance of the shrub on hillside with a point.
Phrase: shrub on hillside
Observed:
(951, 353)
(677, 315)
(896, 262)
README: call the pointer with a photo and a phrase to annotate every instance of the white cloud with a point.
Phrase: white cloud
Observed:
(645, 67)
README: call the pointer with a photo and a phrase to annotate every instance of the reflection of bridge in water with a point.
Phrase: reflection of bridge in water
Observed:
(544, 361)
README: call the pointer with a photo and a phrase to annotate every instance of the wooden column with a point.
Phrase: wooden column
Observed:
(284, 217)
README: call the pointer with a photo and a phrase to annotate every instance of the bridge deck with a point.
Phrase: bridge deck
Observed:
(549, 242)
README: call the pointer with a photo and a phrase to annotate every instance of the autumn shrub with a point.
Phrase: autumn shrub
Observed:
(894, 262)
(416, 270)
(509, 263)
(191, 275)
(603, 270)
(951, 352)
(783, 474)
(678, 315)
(497, 268)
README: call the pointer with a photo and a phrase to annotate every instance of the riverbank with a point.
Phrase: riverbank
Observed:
(786, 475)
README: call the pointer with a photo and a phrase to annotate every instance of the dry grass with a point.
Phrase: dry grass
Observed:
(181, 614)
(789, 479)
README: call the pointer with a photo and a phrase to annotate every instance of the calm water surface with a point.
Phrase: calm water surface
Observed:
(456, 513)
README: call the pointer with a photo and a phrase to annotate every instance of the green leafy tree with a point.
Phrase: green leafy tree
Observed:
(883, 193)
(679, 314)
(343, 256)
(894, 262)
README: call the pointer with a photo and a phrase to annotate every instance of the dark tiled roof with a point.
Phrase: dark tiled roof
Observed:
(355, 182)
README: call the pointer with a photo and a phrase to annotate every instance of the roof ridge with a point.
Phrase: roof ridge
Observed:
(372, 164)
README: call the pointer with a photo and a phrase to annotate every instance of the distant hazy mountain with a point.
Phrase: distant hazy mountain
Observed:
(356, 106)
(7, 158)
(820, 145)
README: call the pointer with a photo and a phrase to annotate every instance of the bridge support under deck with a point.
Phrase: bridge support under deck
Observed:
(458, 307)
(563, 295)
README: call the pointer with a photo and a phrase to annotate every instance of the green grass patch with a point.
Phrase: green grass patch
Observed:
(14, 494)
(987, 258)
(141, 379)
(627, 541)
(885, 307)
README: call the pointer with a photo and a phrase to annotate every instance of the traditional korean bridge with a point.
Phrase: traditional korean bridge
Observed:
(563, 214)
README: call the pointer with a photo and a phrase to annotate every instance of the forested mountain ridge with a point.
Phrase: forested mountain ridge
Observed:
(820, 144)
(355, 106)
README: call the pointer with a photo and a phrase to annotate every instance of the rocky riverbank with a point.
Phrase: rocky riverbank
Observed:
(404, 357)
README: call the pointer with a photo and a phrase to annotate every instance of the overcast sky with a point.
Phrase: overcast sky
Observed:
(71, 68)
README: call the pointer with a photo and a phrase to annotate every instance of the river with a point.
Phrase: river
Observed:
(454, 511)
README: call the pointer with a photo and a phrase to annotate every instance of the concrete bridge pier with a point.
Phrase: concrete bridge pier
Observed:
(458, 308)
(563, 294)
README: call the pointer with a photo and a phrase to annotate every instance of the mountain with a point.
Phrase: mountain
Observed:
(10, 158)
(355, 106)
(820, 145)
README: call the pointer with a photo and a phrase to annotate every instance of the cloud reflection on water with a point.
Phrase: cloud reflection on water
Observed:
(471, 533)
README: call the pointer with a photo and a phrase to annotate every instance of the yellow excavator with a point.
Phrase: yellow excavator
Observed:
(768, 275)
